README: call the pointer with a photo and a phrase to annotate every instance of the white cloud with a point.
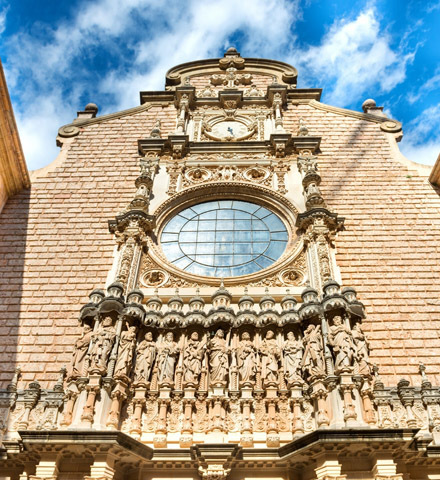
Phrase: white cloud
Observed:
(353, 57)
(417, 144)
(47, 71)
(3, 14)
(430, 85)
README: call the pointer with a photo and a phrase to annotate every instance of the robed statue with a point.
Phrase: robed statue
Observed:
(270, 356)
(218, 358)
(125, 353)
(292, 353)
(246, 359)
(102, 344)
(80, 352)
(168, 352)
(145, 356)
(192, 359)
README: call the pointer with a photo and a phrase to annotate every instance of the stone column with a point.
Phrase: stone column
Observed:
(102, 467)
(329, 469)
(386, 469)
(47, 468)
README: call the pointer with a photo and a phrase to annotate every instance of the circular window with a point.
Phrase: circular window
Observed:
(224, 238)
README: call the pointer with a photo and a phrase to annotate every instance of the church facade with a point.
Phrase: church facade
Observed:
(231, 280)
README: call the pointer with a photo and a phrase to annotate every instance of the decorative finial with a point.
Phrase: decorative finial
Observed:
(155, 131)
(303, 131)
(422, 370)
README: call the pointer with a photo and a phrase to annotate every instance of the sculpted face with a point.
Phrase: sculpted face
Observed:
(245, 336)
(194, 336)
(220, 333)
(169, 336)
(337, 320)
(290, 336)
(107, 322)
(149, 336)
(87, 328)
(270, 335)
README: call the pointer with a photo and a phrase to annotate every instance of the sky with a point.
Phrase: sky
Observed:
(58, 56)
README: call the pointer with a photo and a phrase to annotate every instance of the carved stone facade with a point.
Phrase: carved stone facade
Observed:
(223, 342)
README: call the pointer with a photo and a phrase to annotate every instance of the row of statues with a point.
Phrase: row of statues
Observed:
(291, 359)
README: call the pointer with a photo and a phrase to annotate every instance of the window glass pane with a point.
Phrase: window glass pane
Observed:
(224, 238)
(175, 224)
(188, 248)
(182, 262)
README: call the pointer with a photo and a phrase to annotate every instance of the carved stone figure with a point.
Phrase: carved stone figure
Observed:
(166, 359)
(80, 352)
(270, 356)
(313, 360)
(340, 339)
(102, 342)
(293, 353)
(146, 354)
(246, 359)
(362, 351)
(154, 278)
(192, 359)
(125, 354)
(218, 358)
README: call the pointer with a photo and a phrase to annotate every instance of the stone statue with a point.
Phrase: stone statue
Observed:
(313, 359)
(293, 353)
(362, 351)
(146, 354)
(80, 352)
(218, 358)
(125, 353)
(270, 356)
(168, 352)
(246, 359)
(192, 359)
(341, 340)
(102, 342)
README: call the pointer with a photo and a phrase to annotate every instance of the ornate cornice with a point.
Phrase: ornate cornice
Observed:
(72, 129)
(387, 125)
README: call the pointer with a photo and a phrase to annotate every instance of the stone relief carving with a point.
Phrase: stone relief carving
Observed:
(80, 352)
(293, 354)
(146, 354)
(125, 354)
(102, 343)
(246, 359)
(312, 363)
(270, 355)
(342, 343)
(168, 353)
(192, 359)
(218, 358)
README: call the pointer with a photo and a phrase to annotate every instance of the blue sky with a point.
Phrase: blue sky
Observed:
(58, 56)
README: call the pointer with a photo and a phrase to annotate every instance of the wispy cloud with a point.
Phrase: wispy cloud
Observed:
(419, 144)
(110, 50)
(138, 40)
(354, 57)
(430, 85)
(3, 14)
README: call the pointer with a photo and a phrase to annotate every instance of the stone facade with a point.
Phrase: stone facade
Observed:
(321, 363)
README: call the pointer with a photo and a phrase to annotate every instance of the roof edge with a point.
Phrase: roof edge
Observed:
(14, 175)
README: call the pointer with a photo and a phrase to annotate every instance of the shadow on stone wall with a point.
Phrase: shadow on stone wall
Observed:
(13, 236)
